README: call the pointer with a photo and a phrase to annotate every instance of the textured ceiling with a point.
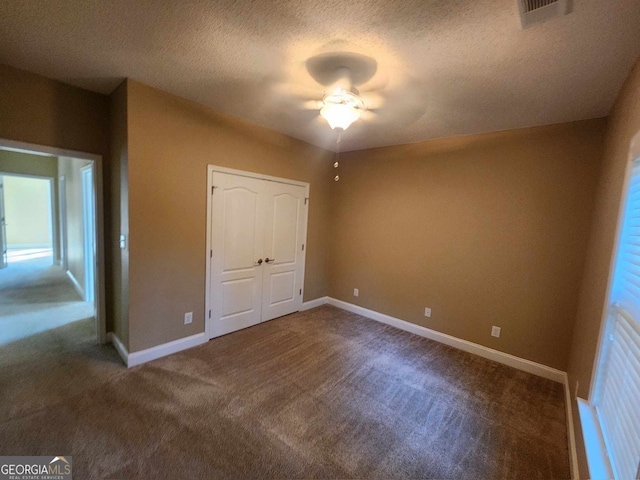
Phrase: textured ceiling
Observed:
(444, 68)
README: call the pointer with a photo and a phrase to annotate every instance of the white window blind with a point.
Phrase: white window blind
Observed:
(617, 395)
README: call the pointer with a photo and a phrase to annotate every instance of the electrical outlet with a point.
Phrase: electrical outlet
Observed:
(356, 292)
(495, 331)
(427, 312)
(188, 318)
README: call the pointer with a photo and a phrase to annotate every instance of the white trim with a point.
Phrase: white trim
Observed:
(100, 312)
(571, 435)
(594, 445)
(259, 176)
(77, 286)
(62, 214)
(207, 262)
(304, 231)
(45, 150)
(470, 347)
(89, 255)
(55, 234)
(119, 346)
(318, 302)
(159, 351)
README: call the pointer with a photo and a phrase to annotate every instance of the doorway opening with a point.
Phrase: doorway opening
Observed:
(26, 219)
(50, 285)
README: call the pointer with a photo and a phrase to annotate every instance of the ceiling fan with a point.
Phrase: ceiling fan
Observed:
(345, 87)
(338, 74)
(342, 104)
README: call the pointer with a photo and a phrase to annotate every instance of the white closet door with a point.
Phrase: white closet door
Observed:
(236, 247)
(285, 231)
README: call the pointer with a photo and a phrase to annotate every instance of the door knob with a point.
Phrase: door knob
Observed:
(268, 260)
(259, 262)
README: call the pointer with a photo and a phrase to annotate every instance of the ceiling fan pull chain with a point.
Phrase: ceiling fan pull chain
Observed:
(336, 164)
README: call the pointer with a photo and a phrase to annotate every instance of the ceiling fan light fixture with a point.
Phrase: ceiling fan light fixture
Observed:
(339, 115)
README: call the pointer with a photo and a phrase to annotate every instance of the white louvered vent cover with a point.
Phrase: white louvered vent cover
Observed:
(538, 11)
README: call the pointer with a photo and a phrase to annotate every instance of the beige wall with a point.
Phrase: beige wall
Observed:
(27, 207)
(26, 164)
(70, 169)
(39, 110)
(624, 124)
(116, 192)
(485, 230)
(170, 143)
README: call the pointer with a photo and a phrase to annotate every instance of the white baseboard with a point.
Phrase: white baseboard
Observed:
(571, 434)
(159, 351)
(77, 286)
(480, 350)
(119, 346)
(314, 303)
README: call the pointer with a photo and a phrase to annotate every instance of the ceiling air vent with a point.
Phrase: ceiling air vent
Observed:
(538, 11)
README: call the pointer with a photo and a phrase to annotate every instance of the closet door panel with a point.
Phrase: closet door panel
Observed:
(282, 286)
(284, 231)
(236, 240)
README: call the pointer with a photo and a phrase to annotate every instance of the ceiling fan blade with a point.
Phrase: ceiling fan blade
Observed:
(372, 99)
(289, 89)
(401, 105)
(312, 105)
(291, 97)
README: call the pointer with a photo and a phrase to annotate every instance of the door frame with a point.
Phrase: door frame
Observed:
(62, 214)
(99, 280)
(88, 244)
(210, 188)
(52, 208)
(4, 258)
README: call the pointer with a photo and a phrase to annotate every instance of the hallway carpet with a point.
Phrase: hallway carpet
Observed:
(36, 296)
(317, 394)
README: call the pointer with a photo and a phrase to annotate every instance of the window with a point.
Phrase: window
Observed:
(617, 389)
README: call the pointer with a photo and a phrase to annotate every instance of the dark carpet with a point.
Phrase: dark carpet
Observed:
(318, 394)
